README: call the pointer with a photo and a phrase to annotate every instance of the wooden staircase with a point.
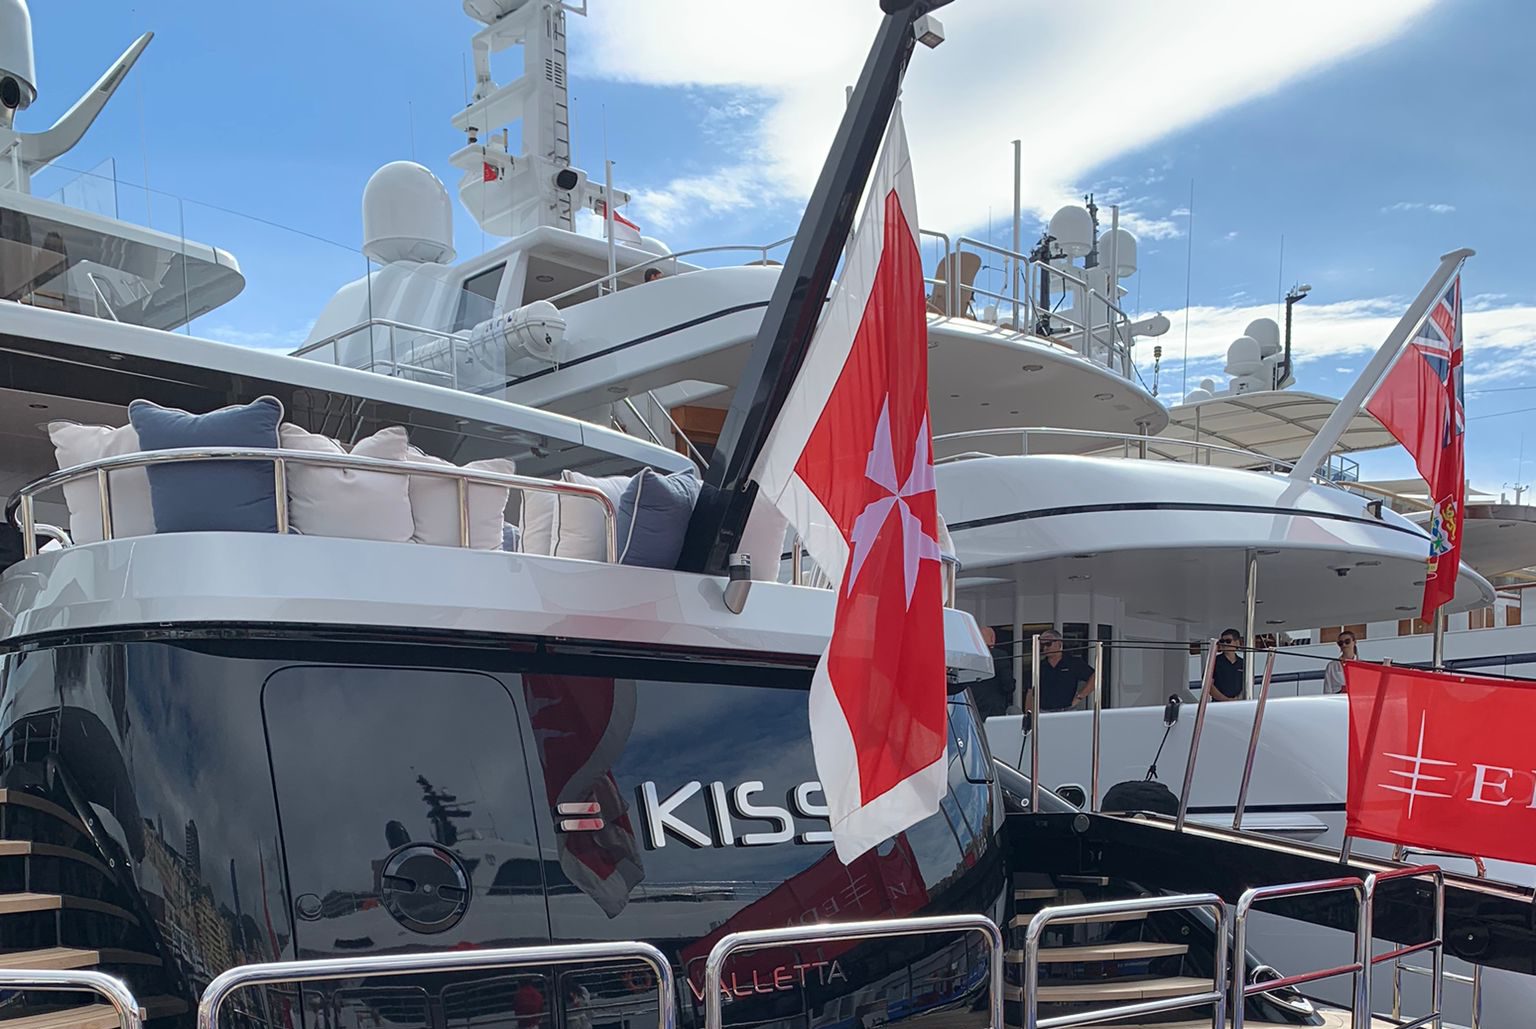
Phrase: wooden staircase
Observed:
(61, 908)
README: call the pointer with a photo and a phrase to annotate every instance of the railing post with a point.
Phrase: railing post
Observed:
(1253, 742)
(1098, 691)
(130, 1014)
(104, 495)
(1194, 739)
(280, 493)
(1034, 725)
(28, 527)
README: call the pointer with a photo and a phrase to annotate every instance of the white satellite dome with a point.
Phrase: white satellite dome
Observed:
(1243, 356)
(1073, 228)
(1209, 385)
(1198, 394)
(407, 216)
(1121, 246)
(16, 60)
(1267, 332)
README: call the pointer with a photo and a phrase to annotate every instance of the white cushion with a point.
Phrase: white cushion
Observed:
(348, 502)
(435, 504)
(763, 539)
(132, 513)
(580, 528)
(538, 522)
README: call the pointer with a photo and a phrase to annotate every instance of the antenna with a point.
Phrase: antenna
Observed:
(1189, 267)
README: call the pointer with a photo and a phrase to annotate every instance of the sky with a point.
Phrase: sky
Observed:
(1250, 146)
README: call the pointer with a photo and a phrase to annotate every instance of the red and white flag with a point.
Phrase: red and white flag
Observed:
(624, 230)
(1420, 402)
(1441, 761)
(850, 464)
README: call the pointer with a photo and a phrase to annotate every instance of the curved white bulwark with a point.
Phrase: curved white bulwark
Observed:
(267, 579)
(1157, 551)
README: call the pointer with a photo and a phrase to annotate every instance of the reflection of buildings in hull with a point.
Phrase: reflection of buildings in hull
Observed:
(204, 938)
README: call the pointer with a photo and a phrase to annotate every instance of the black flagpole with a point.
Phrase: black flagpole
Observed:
(790, 319)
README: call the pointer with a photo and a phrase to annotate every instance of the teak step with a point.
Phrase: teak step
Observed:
(36, 803)
(1022, 921)
(1132, 951)
(20, 903)
(1114, 990)
(1041, 894)
(26, 848)
(94, 1016)
(69, 957)
(1084, 880)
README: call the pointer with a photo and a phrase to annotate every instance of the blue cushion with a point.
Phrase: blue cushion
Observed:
(211, 496)
(511, 537)
(653, 517)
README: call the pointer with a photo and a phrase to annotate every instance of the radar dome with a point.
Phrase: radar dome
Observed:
(1121, 246)
(1197, 394)
(1267, 332)
(1243, 357)
(18, 74)
(407, 216)
(1073, 228)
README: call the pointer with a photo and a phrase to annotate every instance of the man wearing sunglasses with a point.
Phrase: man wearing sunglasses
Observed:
(1229, 677)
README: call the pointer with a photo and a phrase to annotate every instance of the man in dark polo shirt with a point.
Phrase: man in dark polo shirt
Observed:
(1229, 677)
(1064, 678)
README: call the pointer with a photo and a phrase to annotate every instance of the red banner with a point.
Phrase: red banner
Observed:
(1442, 762)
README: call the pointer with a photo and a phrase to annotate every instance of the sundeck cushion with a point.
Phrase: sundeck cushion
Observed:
(76, 444)
(211, 496)
(538, 522)
(653, 517)
(435, 504)
(348, 502)
(580, 528)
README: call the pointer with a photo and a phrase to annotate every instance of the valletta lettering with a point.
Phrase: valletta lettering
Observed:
(775, 979)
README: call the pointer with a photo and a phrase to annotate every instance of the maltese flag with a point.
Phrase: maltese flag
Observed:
(850, 463)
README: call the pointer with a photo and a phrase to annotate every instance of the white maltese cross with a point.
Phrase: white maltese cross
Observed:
(916, 545)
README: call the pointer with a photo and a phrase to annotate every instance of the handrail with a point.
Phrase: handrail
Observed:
(385, 965)
(1216, 996)
(1253, 741)
(693, 451)
(377, 323)
(130, 1014)
(613, 277)
(1024, 432)
(1475, 980)
(1435, 943)
(1194, 739)
(1359, 967)
(24, 498)
(759, 939)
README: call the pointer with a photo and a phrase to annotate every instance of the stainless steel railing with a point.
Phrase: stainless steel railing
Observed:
(1216, 996)
(1194, 739)
(1360, 967)
(130, 1014)
(1475, 980)
(23, 500)
(759, 939)
(1436, 943)
(392, 365)
(385, 965)
(610, 280)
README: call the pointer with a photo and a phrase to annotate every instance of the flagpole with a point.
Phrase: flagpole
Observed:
(783, 338)
(1333, 429)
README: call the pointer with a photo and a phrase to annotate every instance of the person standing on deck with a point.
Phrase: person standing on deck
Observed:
(1065, 679)
(1333, 675)
(1229, 677)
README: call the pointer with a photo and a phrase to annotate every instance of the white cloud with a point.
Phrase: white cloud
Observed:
(967, 99)
(1500, 341)
(1406, 205)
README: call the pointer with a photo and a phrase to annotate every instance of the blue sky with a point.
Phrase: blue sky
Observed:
(1372, 135)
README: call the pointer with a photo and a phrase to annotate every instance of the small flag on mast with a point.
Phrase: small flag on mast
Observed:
(850, 463)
